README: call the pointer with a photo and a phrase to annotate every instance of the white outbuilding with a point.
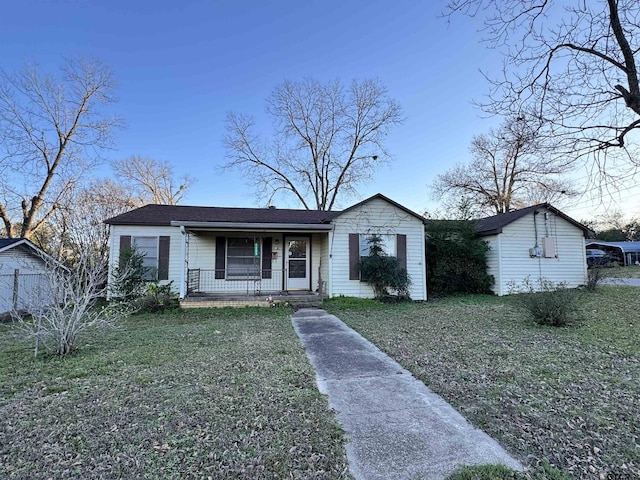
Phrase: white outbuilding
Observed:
(534, 243)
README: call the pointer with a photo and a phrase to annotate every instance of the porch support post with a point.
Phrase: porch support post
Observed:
(329, 291)
(184, 263)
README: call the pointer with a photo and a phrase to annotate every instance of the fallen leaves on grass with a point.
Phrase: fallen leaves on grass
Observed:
(187, 395)
(565, 396)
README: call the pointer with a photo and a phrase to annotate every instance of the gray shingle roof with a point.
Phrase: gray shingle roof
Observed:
(5, 242)
(165, 214)
(494, 224)
(160, 215)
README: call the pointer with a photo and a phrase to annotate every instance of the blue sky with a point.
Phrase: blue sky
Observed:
(181, 66)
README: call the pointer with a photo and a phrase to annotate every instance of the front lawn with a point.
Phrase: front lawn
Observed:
(568, 396)
(194, 394)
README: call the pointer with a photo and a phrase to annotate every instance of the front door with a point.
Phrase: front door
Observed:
(298, 267)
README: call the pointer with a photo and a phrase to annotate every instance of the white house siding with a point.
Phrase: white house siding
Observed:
(316, 255)
(21, 258)
(493, 261)
(324, 260)
(569, 264)
(201, 254)
(33, 288)
(377, 216)
(277, 265)
(175, 247)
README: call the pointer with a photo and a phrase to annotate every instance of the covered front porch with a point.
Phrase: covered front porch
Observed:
(232, 266)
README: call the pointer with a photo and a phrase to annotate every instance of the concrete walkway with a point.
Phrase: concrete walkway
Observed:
(397, 428)
(626, 282)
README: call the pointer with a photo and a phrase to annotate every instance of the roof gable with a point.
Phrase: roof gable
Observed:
(386, 199)
(493, 225)
(10, 243)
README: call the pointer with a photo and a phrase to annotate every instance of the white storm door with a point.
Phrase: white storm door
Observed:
(298, 261)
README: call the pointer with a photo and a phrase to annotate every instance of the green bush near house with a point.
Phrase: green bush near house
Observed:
(128, 278)
(384, 273)
(456, 259)
(158, 298)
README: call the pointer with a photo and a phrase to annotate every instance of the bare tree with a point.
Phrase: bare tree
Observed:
(575, 63)
(327, 140)
(615, 227)
(51, 132)
(510, 168)
(78, 224)
(151, 181)
(71, 315)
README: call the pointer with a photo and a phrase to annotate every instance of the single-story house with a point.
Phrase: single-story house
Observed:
(537, 242)
(627, 252)
(23, 275)
(210, 252)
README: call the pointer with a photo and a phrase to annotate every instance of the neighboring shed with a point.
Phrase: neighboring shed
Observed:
(629, 252)
(23, 279)
(537, 242)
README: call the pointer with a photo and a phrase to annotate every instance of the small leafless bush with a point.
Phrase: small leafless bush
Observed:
(594, 278)
(549, 303)
(76, 306)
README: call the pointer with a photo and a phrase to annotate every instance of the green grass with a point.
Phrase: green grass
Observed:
(193, 394)
(501, 472)
(632, 271)
(567, 397)
(484, 472)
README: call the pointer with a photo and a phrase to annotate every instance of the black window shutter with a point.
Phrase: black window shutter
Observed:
(221, 244)
(401, 247)
(163, 258)
(125, 244)
(266, 257)
(354, 256)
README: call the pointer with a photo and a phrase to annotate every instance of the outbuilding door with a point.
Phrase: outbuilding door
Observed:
(298, 262)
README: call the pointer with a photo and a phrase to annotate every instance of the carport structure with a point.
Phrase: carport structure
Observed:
(628, 251)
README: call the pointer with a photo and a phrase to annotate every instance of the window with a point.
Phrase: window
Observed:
(243, 257)
(155, 253)
(393, 245)
(388, 244)
(148, 247)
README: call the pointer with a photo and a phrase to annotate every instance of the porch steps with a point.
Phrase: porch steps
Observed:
(297, 300)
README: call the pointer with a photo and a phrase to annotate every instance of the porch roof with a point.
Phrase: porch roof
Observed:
(262, 227)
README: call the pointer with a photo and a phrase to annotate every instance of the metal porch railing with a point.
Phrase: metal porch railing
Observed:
(238, 282)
